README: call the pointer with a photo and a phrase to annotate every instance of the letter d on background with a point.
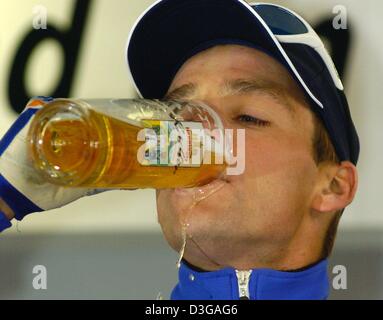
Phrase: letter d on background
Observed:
(70, 41)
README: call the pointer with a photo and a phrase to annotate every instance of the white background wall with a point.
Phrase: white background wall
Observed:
(102, 73)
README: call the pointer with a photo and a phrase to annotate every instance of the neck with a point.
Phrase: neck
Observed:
(197, 269)
(303, 249)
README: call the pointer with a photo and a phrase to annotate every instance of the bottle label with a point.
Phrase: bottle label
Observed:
(173, 143)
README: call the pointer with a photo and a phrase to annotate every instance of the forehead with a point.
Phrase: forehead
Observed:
(212, 69)
(235, 60)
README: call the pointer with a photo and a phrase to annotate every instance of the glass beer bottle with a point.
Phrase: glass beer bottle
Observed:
(127, 143)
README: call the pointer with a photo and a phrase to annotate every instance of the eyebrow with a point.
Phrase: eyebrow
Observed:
(182, 92)
(238, 87)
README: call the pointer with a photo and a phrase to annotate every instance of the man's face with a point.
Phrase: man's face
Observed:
(256, 215)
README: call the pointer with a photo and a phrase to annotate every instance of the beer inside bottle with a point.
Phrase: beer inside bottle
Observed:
(126, 143)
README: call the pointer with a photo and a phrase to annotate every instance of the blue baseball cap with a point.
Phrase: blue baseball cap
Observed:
(171, 31)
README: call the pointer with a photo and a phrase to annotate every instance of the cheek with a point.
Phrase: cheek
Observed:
(287, 157)
(278, 180)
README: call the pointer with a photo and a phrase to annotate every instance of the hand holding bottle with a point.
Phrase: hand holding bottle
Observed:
(22, 189)
(60, 150)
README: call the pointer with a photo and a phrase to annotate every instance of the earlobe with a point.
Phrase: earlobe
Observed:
(337, 187)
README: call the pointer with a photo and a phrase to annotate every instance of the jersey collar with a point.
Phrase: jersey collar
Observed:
(260, 284)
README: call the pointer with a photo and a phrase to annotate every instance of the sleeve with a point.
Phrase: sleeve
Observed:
(4, 222)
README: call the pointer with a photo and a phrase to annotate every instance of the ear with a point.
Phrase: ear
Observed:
(336, 187)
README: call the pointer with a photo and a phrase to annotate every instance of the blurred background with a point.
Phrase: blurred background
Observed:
(110, 246)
